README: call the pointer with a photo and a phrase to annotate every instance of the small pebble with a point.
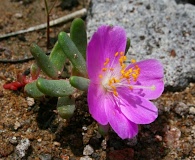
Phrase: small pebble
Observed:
(57, 144)
(18, 15)
(104, 144)
(45, 156)
(85, 158)
(192, 110)
(158, 138)
(17, 125)
(88, 150)
(30, 101)
(84, 128)
(181, 108)
(13, 140)
(39, 140)
(22, 147)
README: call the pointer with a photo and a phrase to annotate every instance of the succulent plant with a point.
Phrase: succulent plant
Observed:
(68, 48)
(123, 91)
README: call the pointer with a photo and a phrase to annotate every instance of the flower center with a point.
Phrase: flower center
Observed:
(119, 76)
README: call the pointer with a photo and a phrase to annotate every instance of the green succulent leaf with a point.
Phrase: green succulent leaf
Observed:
(78, 35)
(79, 83)
(72, 53)
(66, 107)
(128, 44)
(55, 88)
(32, 90)
(43, 61)
(57, 57)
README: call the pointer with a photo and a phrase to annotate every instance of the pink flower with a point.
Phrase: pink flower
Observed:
(119, 94)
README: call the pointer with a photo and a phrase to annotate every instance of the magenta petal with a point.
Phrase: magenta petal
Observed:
(151, 74)
(104, 44)
(97, 102)
(120, 124)
(137, 109)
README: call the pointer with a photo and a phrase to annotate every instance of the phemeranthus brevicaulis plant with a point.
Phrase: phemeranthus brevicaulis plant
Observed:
(119, 94)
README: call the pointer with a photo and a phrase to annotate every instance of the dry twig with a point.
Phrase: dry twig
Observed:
(63, 19)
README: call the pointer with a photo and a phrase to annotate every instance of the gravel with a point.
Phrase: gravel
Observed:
(88, 150)
(164, 30)
(22, 147)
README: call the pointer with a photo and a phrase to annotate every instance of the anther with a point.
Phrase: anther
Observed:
(133, 61)
(116, 54)
(107, 61)
(130, 87)
(100, 76)
(121, 53)
(104, 69)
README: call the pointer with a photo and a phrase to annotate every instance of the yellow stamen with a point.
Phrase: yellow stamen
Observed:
(100, 76)
(121, 53)
(130, 87)
(125, 78)
(133, 61)
(104, 69)
(115, 92)
(107, 61)
(116, 54)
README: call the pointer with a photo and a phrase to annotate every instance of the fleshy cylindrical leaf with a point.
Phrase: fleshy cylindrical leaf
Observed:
(78, 35)
(57, 57)
(72, 53)
(66, 107)
(79, 83)
(55, 88)
(43, 61)
(32, 90)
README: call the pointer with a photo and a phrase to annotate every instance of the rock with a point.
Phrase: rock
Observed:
(45, 156)
(30, 101)
(181, 108)
(163, 30)
(85, 158)
(22, 147)
(17, 125)
(192, 110)
(13, 140)
(18, 15)
(88, 150)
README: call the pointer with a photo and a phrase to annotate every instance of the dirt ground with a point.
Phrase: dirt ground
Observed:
(33, 130)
